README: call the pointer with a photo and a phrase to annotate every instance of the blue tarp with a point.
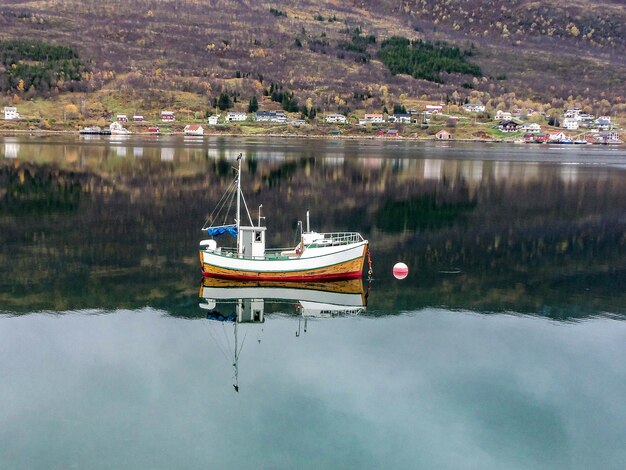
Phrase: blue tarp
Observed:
(215, 231)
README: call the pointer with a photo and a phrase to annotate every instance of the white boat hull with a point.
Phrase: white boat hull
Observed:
(324, 263)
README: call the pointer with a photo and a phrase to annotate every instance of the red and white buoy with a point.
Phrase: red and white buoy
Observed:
(400, 270)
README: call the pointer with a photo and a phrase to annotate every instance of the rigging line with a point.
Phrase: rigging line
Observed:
(217, 343)
(229, 194)
(230, 351)
(230, 204)
(220, 203)
(246, 206)
(242, 343)
(224, 195)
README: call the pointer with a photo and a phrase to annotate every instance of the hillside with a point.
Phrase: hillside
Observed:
(149, 54)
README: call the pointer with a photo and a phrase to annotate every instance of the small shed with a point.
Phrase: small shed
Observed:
(443, 135)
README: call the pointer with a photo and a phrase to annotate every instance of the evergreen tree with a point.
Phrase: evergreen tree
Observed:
(253, 106)
(224, 102)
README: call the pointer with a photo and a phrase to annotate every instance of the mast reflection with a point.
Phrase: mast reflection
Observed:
(244, 304)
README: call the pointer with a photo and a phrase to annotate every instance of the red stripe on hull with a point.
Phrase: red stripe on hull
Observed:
(269, 277)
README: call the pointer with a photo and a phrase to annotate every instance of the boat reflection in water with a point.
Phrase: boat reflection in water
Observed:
(244, 304)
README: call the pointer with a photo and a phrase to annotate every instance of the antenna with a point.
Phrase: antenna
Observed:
(260, 206)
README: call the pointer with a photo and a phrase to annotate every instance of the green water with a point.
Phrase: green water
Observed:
(502, 348)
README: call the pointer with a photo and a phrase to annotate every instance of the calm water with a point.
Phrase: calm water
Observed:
(503, 348)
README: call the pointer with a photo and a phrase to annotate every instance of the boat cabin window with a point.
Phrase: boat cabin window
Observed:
(257, 236)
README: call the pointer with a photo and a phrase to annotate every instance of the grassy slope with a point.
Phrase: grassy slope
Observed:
(182, 53)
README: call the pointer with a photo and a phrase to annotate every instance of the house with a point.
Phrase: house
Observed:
(586, 120)
(474, 108)
(574, 113)
(374, 118)
(400, 118)
(336, 118)
(503, 116)
(137, 118)
(297, 122)
(167, 116)
(603, 123)
(508, 126)
(557, 137)
(121, 118)
(608, 137)
(570, 123)
(10, 113)
(212, 120)
(236, 116)
(529, 137)
(194, 129)
(153, 130)
(117, 129)
(541, 137)
(270, 116)
(531, 127)
(433, 108)
(393, 133)
(443, 135)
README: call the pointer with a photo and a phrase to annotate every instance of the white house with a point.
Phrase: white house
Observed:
(117, 129)
(336, 118)
(270, 116)
(121, 118)
(503, 116)
(212, 120)
(530, 127)
(400, 118)
(433, 108)
(194, 129)
(603, 122)
(10, 113)
(557, 137)
(167, 116)
(474, 108)
(573, 113)
(374, 118)
(236, 116)
(137, 118)
(570, 123)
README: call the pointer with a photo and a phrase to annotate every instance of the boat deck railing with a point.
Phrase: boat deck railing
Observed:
(336, 238)
(325, 240)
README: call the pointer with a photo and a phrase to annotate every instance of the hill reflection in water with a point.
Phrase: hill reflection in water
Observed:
(482, 227)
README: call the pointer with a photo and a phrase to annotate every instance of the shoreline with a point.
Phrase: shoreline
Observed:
(43, 133)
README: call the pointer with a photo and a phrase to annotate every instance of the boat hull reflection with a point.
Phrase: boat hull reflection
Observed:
(321, 299)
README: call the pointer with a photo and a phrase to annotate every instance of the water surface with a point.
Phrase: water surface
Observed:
(502, 349)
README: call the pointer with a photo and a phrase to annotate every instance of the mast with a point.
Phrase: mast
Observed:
(238, 202)
(236, 363)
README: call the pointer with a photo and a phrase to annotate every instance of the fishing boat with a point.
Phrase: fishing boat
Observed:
(317, 256)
